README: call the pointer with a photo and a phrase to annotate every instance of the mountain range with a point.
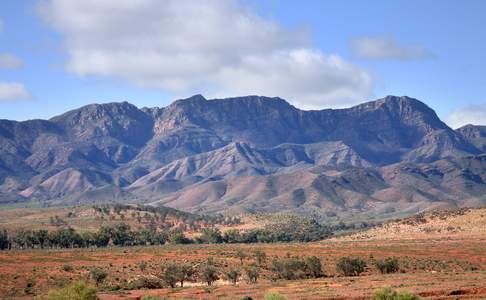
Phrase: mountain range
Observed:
(391, 156)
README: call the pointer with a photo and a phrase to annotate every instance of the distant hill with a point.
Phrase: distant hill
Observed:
(392, 156)
(466, 222)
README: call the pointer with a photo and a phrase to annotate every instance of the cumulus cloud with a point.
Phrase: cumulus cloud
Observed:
(387, 48)
(473, 114)
(10, 61)
(214, 47)
(12, 91)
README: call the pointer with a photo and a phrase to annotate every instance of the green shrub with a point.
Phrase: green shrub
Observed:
(289, 268)
(67, 268)
(389, 294)
(260, 256)
(241, 255)
(389, 265)
(78, 290)
(252, 273)
(145, 283)
(275, 296)
(98, 275)
(314, 266)
(351, 266)
(29, 287)
(233, 275)
(152, 298)
(178, 237)
(142, 265)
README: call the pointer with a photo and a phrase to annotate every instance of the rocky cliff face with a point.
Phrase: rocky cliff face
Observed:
(246, 153)
(475, 135)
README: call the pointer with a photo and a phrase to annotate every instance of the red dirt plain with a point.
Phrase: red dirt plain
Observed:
(436, 267)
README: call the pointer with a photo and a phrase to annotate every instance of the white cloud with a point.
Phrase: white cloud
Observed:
(9, 61)
(387, 48)
(216, 47)
(473, 114)
(12, 91)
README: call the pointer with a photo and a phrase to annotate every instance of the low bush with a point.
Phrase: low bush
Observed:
(289, 268)
(389, 294)
(314, 266)
(98, 275)
(145, 282)
(67, 268)
(152, 298)
(351, 266)
(142, 265)
(78, 290)
(260, 256)
(389, 265)
(252, 274)
(233, 275)
(275, 296)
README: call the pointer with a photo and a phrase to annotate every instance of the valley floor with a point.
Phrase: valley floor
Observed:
(437, 267)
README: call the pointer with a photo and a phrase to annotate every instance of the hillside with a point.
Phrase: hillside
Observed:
(388, 157)
(92, 218)
(460, 223)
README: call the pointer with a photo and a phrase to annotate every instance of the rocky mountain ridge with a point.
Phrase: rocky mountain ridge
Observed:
(246, 154)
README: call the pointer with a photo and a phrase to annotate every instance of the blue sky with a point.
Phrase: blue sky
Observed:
(59, 55)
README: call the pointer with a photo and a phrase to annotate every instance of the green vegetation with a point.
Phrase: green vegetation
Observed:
(292, 268)
(152, 298)
(351, 266)
(260, 256)
(169, 274)
(275, 296)
(314, 266)
(252, 274)
(209, 273)
(389, 294)
(233, 275)
(389, 265)
(98, 275)
(78, 290)
(4, 240)
(173, 273)
(67, 268)
(122, 235)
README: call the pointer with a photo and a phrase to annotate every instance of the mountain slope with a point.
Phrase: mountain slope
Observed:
(475, 135)
(246, 154)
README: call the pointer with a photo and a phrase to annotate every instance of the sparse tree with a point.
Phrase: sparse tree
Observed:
(170, 274)
(186, 271)
(4, 240)
(233, 275)
(241, 255)
(260, 256)
(209, 274)
(252, 273)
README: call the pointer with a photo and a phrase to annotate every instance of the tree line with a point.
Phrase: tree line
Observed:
(122, 235)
